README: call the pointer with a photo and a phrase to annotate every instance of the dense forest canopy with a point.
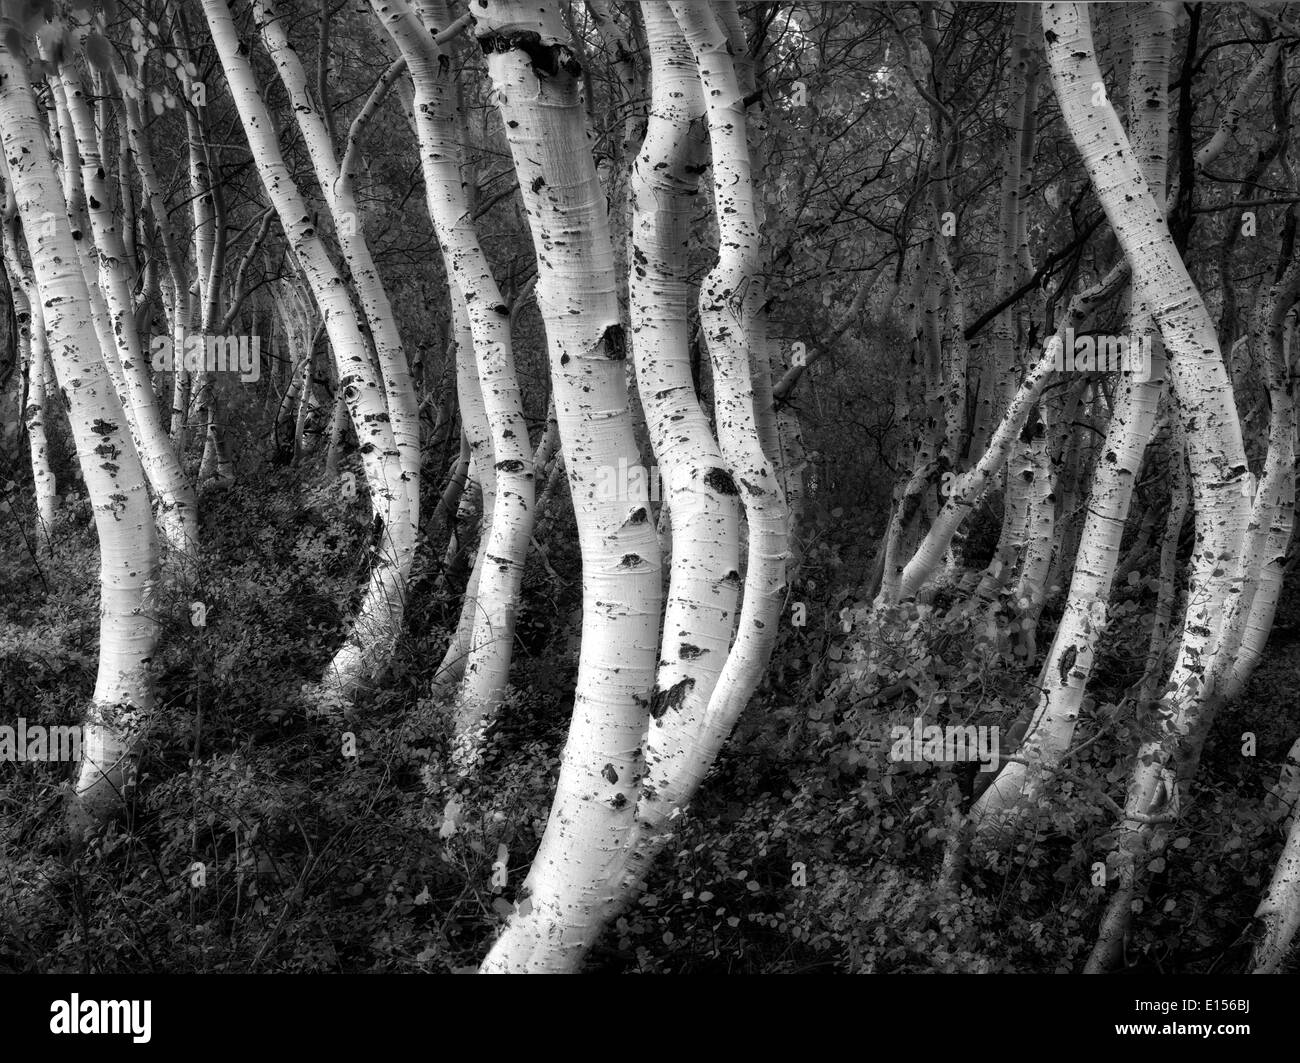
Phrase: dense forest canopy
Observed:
(668, 486)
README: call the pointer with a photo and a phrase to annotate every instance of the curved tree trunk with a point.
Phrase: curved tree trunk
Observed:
(699, 491)
(375, 629)
(1068, 667)
(123, 698)
(440, 128)
(537, 80)
(349, 226)
(178, 506)
(1207, 412)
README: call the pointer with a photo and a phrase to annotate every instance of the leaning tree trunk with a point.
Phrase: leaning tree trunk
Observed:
(730, 316)
(349, 226)
(1068, 667)
(177, 503)
(699, 491)
(441, 131)
(375, 629)
(537, 81)
(128, 634)
(35, 361)
(1216, 454)
(477, 434)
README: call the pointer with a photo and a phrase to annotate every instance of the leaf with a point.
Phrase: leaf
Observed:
(449, 817)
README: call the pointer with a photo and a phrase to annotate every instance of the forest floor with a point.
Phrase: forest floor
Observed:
(270, 850)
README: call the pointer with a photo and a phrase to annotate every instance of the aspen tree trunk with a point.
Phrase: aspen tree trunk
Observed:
(1158, 646)
(1200, 385)
(198, 387)
(375, 629)
(537, 80)
(1268, 536)
(305, 401)
(1031, 587)
(207, 206)
(1013, 540)
(1068, 667)
(699, 491)
(349, 225)
(75, 197)
(123, 697)
(1245, 643)
(903, 581)
(1195, 367)
(445, 512)
(1012, 263)
(792, 462)
(338, 428)
(178, 506)
(40, 379)
(478, 438)
(759, 341)
(34, 359)
(1278, 914)
(730, 300)
(1249, 613)
(178, 306)
(441, 130)
(1279, 910)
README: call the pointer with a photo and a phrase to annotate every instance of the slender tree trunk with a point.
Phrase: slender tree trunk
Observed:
(699, 491)
(478, 437)
(1068, 667)
(375, 629)
(349, 225)
(123, 698)
(537, 81)
(1216, 454)
(440, 128)
(178, 507)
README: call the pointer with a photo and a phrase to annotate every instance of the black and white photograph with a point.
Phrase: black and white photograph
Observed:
(681, 487)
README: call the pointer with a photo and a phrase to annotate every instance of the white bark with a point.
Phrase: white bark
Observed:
(441, 129)
(123, 697)
(1207, 413)
(730, 301)
(34, 358)
(349, 226)
(477, 433)
(699, 491)
(1068, 667)
(178, 506)
(375, 629)
(537, 81)
(903, 581)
